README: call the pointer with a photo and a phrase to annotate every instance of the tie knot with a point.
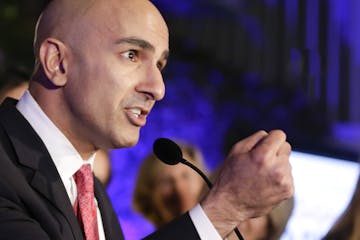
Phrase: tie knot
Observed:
(84, 179)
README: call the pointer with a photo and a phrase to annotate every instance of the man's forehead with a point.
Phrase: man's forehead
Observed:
(97, 19)
(113, 14)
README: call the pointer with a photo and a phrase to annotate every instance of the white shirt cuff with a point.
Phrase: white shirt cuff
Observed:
(203, 225)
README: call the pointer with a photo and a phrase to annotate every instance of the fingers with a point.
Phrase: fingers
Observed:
(273, 144)
(271, 153)
(250, 142)
(285, 149)
(272, 141)
(263, 140)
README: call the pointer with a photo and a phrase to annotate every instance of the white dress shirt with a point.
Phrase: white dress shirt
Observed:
(67, 161)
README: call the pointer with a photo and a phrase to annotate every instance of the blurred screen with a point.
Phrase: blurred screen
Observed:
(323, 188)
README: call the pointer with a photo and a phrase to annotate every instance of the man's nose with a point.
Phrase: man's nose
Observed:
(152, 83)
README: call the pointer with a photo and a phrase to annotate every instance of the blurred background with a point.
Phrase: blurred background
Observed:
(236, 66)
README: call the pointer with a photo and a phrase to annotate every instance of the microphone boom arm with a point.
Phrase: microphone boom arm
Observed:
(206, 179)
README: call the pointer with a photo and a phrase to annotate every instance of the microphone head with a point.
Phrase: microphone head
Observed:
(167, 151)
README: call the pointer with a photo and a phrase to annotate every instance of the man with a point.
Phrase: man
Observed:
(97, 75)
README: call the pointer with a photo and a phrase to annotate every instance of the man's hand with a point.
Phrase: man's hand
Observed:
(254, 178)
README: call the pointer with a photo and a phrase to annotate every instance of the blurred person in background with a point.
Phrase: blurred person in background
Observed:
(164, 192)
(347, 227)
(14, 81)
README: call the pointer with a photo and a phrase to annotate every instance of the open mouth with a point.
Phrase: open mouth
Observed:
(137, 116)
(136, 112)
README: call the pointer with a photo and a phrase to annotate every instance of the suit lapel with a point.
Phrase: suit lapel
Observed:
(33, 154)
(110, 221)
(103, 210)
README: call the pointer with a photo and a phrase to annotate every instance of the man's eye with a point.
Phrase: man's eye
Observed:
(160, 66)
(132, 55)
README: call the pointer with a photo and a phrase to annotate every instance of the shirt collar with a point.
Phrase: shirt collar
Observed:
(66, 159)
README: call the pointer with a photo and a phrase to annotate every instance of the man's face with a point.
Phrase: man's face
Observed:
(114, 78)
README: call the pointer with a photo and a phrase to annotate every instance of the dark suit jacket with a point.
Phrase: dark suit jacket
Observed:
(33, 200)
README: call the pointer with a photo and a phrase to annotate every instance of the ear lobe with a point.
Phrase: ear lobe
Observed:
(52, 57)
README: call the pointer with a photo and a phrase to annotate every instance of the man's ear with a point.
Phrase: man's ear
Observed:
(53, 60)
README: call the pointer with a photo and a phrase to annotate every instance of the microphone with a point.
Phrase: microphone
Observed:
(170, 153)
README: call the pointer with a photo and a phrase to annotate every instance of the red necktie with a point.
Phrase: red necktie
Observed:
(85, 208)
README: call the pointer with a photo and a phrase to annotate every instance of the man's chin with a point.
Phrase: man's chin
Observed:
(129, 141)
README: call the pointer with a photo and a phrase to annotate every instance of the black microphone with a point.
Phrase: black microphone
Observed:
(170, 153)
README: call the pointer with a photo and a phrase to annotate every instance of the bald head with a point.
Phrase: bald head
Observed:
(67, 20)
(57, 20)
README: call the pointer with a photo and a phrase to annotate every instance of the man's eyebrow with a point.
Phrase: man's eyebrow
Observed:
(165, 55)
(136, 41)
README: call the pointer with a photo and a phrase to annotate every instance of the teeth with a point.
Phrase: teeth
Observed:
(136, 111)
